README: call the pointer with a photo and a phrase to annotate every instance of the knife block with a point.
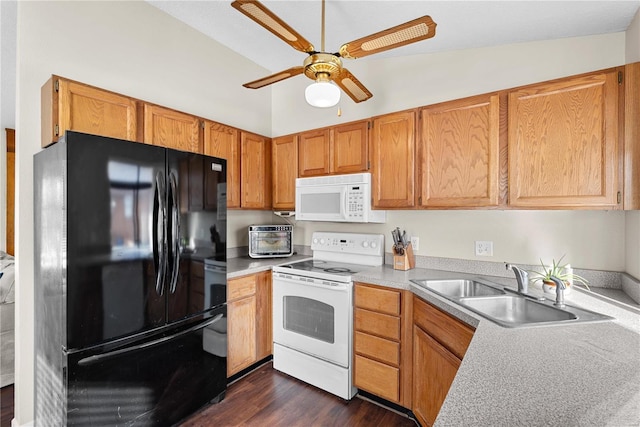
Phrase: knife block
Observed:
(407, 261)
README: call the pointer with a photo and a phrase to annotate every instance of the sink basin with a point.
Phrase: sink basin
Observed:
(459, 288)
(511, 310)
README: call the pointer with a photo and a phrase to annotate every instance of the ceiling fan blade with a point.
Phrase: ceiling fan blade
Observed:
(282, 75)
(400, 35)
(352, 86)
(263, 16)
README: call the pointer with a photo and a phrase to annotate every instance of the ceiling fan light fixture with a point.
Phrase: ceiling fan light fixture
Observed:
(322, 93)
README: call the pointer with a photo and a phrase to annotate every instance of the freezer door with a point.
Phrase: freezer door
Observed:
(197, 232)
(158, 382)
(116, 207)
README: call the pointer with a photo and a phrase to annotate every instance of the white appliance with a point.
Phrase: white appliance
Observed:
(313, 310)
(338, 198)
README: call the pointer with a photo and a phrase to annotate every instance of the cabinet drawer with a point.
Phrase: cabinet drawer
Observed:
(376, 299)
(241, 287)
(377, 378)
(448, 331)
(378, 324)
(377, 348)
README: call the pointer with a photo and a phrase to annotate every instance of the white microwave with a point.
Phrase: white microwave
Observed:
(336, 198)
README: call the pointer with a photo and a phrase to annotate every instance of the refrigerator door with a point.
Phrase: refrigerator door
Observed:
(157, 382)
(116, 210)
(196, 230)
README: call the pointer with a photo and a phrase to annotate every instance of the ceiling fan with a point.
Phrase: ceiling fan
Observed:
(324, 67)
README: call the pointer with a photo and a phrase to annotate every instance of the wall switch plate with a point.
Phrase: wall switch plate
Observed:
(484, 248)
(415, 243)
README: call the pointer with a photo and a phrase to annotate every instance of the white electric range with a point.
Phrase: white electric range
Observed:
(313, 310)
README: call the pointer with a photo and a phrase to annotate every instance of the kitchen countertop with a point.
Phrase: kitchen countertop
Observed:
(241, 266)
(563, 375)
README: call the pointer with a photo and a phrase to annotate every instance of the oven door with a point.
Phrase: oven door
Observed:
(313, 317)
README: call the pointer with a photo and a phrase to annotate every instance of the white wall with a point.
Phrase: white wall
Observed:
(130, 48)
(632, 233)
(8, 14)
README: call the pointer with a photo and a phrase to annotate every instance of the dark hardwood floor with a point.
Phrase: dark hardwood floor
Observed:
(270, 398)
(6, 406)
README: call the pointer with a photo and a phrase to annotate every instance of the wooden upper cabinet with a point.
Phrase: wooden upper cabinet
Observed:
(393, 160)
(224, 142)
(563, 143)
(314, 153)
(459, 152)
(69, 105)
(632, 136)
(285, 171)
(255, 174)
(348, 148)
(335, 150)
(172, 129)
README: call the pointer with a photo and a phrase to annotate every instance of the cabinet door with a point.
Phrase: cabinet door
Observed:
(285, 172)
(349, 153)
(459, 151)
(171, 129)
(255, 175)
(86, 109)
(313, 152)
(264, 316)
(392, 160)
(224, 142)
(563, 143)
(434, 369)
(241, 334)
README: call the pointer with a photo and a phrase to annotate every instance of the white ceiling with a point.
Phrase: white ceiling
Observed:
(461, 24)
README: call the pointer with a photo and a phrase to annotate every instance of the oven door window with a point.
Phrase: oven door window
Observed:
(309, 317)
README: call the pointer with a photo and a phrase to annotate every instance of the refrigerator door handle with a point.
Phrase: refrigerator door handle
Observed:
(115, 353)
(159, 235)
(174, 240)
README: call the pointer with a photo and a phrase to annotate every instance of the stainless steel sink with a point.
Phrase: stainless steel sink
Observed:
(459, 288)
(511, 310)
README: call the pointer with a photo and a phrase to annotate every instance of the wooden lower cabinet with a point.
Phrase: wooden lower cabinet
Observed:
(439, 343)
(382, 342)
(249, 321)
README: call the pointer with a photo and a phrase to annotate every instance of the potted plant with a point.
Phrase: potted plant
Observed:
(563, 272)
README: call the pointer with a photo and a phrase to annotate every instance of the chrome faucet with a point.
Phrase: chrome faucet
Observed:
(560, 287)
(522, 277)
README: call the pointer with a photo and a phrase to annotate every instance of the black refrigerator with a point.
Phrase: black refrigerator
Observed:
(130, 330)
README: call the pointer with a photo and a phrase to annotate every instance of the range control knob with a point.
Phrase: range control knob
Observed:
(365, 244)
(374, 245)
(322, 241)
(315, 241)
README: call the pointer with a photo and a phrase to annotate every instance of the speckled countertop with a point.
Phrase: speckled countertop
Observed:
(573, 375)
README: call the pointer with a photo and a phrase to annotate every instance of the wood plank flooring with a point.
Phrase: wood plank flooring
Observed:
(6, 406)
(270, 398)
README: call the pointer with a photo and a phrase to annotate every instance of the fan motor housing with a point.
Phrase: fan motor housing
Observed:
(326, 63)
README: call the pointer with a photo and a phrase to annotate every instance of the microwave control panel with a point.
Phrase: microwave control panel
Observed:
(355, 202)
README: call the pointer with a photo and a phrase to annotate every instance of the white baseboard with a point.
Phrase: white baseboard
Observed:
(14, 423)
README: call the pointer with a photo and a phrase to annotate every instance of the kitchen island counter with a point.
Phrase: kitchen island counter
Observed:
(571, 375)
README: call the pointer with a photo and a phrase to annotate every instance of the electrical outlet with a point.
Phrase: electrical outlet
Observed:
(415, 243)
(484, 248)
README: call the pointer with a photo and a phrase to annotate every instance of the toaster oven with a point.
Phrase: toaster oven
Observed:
(270, 241)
